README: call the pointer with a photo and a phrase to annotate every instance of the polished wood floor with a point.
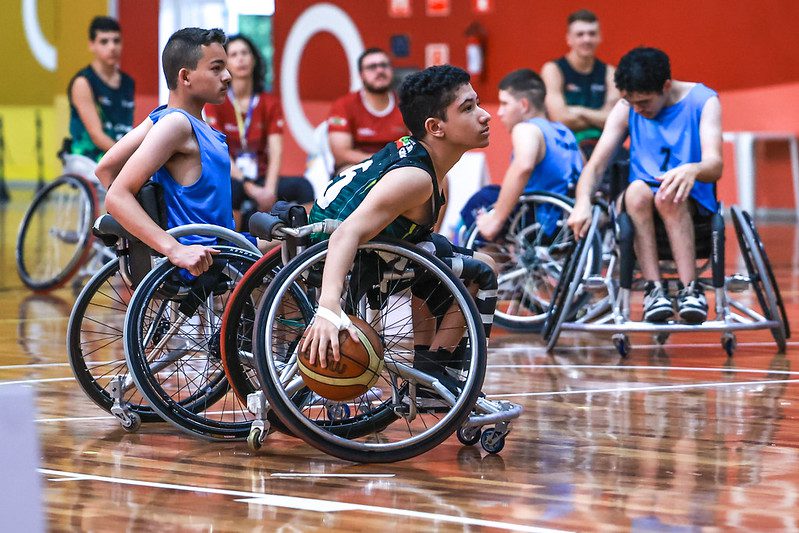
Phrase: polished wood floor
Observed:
(672, 439)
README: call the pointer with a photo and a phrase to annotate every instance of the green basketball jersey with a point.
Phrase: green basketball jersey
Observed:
(346, 192)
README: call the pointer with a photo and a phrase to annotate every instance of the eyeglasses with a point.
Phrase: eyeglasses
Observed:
(375, 66)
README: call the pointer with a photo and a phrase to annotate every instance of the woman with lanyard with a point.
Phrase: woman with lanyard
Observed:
(253, 123)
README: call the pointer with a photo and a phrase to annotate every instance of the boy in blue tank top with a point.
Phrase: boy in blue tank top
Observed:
(397, 192)
(675, 161)
(180, 151)
(545, 157)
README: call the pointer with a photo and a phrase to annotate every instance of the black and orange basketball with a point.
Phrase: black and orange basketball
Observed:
(357, 370)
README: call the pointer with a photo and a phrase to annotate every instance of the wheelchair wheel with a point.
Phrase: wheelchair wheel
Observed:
(761, 274)
(567, 300)
(172, 346)
(94, 341)
(398, 289)
(54, 237)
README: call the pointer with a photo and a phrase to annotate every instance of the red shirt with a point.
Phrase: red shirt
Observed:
(370, 132)
(267, 118)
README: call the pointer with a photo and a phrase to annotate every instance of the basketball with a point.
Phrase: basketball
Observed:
(356, 371)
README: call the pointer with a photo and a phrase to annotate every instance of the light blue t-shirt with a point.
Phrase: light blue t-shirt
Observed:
(669, 140)
(206, 201)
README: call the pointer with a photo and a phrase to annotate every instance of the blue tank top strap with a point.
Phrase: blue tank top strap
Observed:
(207, 200)
(669, 140)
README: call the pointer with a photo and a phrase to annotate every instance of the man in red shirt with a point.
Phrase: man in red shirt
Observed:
(362, 122)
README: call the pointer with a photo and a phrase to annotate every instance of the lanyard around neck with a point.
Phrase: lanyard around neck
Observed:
(243, 123)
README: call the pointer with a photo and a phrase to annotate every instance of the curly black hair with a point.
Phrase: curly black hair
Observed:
(259, 65)
(643, 70)
(427, 93)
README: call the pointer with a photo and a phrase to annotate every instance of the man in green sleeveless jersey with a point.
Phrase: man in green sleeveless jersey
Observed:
(397, 192)
(100, 95)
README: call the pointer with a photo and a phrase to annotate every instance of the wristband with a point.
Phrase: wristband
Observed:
(340, 321)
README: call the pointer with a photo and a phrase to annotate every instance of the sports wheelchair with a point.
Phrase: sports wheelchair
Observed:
(531, 254)
(601, 302)
(408, 295)
(184, 332)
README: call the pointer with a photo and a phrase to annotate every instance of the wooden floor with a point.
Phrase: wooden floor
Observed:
(672, 439)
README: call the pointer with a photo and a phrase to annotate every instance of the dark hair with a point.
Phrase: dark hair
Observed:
(525, 83)
(183, 50)
(368, 52)
(582, 15)
(102, 24)
(427, 93)
(259, 66)
(643, 70)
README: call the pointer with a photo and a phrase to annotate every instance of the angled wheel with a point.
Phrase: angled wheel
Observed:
(531, 255)
(761, 275)
(568, 292)
(395, 287)
(172, 346)
(54, 236)
(94, 341)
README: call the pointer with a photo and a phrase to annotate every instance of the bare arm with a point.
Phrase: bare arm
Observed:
(678, 182)
(555, 102)
(341, 146)
(170, 136)
(398, 192)
(83, 100)
(612, 136)
(275, 146)
(529, 149)
(116, 157)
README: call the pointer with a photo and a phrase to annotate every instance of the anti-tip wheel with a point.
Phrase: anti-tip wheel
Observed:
(469, 435)
(729, 343)
(661, 338)
(254, 439)
(134, 424)
(491, 441)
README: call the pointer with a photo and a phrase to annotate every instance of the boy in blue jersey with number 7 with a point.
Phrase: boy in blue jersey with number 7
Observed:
(675, 161)
(397, 193)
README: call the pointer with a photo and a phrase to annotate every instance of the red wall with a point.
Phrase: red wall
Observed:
(139, 22)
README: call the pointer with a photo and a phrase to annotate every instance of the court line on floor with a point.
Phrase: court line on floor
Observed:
(30, 381)
(652, 388)
(297, 502)
(647, 367)
(542, 349)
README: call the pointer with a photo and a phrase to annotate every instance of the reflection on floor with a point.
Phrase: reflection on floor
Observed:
(670, 438)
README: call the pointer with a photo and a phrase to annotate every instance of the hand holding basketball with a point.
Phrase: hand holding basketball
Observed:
(321, 340)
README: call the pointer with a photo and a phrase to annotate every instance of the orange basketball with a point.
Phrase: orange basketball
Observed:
(357, 370)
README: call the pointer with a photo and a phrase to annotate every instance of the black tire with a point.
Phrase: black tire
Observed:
(94, 340)
(377, 285)
(564, 305)
(174, 357)
(54, 237)
(761, 275)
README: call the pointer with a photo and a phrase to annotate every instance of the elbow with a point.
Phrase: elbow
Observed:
(104, 174)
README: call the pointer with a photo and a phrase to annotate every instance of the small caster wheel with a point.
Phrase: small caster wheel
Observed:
(255, 439)
(338, 411)
(661, 338)
(491, 441)
(469, 435)
(134, 424)
(622, 344)
(729, 343)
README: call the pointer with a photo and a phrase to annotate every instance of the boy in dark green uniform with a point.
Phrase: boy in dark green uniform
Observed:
(397, 192)
(100, 95)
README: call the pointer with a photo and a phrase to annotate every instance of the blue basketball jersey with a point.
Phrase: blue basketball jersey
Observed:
(562, 163)
(669, 140)
(206, 201)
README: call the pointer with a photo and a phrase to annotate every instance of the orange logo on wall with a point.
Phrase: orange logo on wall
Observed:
(437, 8)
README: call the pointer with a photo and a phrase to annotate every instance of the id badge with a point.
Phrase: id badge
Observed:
(248, 165)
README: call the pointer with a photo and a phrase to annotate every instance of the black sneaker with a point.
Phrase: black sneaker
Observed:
(657, 306)
(692, 304)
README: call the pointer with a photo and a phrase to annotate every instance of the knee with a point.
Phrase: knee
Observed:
(638, 198)
(667, 209)
(488, 260)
